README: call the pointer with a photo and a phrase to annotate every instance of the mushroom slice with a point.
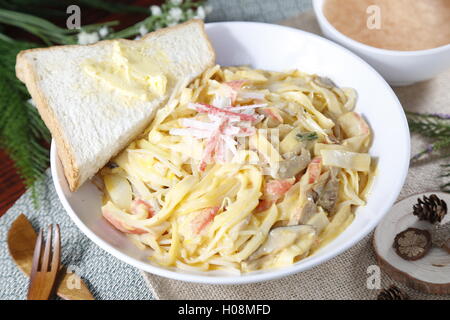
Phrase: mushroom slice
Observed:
(307, 209)
(329, 194)
(319, 221)
(293, 241)
(319, 186)
(290, 167)
(281, 238)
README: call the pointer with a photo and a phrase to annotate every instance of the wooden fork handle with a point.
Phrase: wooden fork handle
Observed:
(21, 240)
(41, 287)
(76, 291)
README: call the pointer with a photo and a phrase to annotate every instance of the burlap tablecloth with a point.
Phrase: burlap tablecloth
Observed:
(344, 277)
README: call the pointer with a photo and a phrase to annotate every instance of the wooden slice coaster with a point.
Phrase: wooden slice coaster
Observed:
(430, 274)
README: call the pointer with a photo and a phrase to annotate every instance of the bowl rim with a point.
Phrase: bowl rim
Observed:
(257, 276)
(318, 9)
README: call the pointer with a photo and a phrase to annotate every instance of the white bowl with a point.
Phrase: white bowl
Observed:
(274, 47)
(399, 68)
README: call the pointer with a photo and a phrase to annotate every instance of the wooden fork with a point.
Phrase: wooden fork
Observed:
(45, 265)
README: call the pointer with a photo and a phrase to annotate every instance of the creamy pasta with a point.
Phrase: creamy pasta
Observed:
(245, 170)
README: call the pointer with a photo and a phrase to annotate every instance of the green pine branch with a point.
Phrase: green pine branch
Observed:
(435, 127)
(109, 6)
(57, 9)
(429, 125)
(21, 128)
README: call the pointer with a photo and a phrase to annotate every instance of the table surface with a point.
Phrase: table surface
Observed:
(11, 185)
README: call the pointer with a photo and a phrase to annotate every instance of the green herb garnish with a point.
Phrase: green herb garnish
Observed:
(308, 136)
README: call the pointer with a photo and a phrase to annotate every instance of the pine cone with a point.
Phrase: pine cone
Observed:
(431, 209)
(392, 293)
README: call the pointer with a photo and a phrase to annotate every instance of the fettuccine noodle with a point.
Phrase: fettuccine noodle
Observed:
(245, 170)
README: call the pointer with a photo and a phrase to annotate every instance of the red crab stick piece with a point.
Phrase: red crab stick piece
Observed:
(364, 127)
(235, 86)
(314, 169)
(276, 189)
(273, 113)
(139, 204)
(209, 109)
(203, 218)
(273, 191)
(212, 145)
(120, 225)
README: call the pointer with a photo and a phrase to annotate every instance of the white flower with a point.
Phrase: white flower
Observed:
(175, 14)
(143, 30)
(189, 13)
(103, 32)
(200, 13)
(176, 2)
(208, 9)
(87, 38)
(156, 10)
(31, 101)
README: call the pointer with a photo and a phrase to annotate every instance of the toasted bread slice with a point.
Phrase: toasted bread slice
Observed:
(90, 121)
